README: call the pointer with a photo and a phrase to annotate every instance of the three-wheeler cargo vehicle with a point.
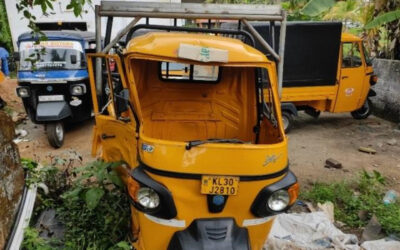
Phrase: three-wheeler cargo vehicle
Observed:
(324, 70)
(204, 155)
(54, 88)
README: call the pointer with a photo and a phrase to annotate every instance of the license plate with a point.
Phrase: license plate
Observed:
(222, 185)
(51, 98)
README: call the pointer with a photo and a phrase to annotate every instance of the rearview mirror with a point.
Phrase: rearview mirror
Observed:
(73, 59)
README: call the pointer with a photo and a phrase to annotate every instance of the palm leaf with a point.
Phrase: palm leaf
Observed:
(382, 19)
(316, 7)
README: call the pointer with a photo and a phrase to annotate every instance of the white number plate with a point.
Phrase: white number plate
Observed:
(51, 98)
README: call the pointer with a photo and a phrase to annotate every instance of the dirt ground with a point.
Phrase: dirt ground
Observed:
(311, 142)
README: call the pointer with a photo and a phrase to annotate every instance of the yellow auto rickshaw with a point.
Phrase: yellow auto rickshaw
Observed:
(324, 70)
(205, 156)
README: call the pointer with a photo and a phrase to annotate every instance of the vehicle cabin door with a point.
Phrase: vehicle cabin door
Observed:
(115, 129)
(351, 81)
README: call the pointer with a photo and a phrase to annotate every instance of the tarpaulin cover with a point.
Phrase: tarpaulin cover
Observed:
(311, 51)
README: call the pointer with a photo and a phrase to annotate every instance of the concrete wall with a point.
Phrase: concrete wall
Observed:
(387, 101)
(11, 178)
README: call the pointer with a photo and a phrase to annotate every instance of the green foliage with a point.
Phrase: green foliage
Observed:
(91, 204)
(241, 1)
(5, 33)
(316, 7)
(349, 198)
(32, 241)
(383, 19)
(345, 11)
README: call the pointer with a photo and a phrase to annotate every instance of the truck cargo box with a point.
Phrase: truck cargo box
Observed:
(311, 51)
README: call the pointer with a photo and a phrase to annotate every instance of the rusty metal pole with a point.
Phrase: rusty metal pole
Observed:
(99, 85)
(282, 39)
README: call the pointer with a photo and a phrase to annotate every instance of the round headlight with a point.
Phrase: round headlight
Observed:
(23, 92)
(148, 198)
(278, 200)
(77, 90)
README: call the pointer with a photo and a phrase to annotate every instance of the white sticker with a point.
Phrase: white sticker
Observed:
(254, 222)
(349, 91)
(147, 148)
(170, 223)
(202, 54)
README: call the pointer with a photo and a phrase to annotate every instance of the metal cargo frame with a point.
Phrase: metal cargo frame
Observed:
(243, 13)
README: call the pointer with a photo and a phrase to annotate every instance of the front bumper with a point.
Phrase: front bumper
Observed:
(210, 234)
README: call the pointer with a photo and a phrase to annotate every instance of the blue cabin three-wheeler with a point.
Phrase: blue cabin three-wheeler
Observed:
(53, 83)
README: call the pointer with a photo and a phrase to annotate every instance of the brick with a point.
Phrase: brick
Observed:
(332, 163)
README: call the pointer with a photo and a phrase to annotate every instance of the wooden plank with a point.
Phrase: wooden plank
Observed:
(259, 12)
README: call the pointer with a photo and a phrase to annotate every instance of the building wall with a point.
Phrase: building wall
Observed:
(11, 178)
(19, 25)
(387, 101)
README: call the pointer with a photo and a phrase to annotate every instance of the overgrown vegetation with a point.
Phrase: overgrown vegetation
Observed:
(89, 201)
(364, 194)
(5, 33)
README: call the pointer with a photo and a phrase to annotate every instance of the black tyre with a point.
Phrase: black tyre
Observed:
(364, 111)
(287, 120)
(55, 134)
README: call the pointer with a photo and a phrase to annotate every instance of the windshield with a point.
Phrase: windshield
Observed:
(56, 55)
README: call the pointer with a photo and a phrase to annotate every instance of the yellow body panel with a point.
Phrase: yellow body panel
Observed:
(348, 94)
(159, 44)
(215, 159)
(169, 114)
(188, 199)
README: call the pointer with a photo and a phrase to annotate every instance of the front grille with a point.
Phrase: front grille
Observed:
(216, 233)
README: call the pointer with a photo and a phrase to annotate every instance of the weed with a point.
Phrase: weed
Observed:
(32, 241)
(364, 194)
(89, 201)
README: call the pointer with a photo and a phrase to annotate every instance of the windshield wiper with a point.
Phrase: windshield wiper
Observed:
(195, 143)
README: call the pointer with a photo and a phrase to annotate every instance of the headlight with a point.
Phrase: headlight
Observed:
(278, 200)
(277, 197)
(78, 89)
(148, 198)
(23, 92)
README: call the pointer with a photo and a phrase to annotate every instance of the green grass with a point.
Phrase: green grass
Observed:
(364, 194)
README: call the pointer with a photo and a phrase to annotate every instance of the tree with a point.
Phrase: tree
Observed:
(25, 7)
(387, 14)
(5, 33)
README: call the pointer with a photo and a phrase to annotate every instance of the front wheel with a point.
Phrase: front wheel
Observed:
(287, 119)
(55, 134)
(364, 111)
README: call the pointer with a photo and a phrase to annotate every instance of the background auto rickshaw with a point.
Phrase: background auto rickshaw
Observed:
(205, 156)
(324, 70)
(55, 89)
